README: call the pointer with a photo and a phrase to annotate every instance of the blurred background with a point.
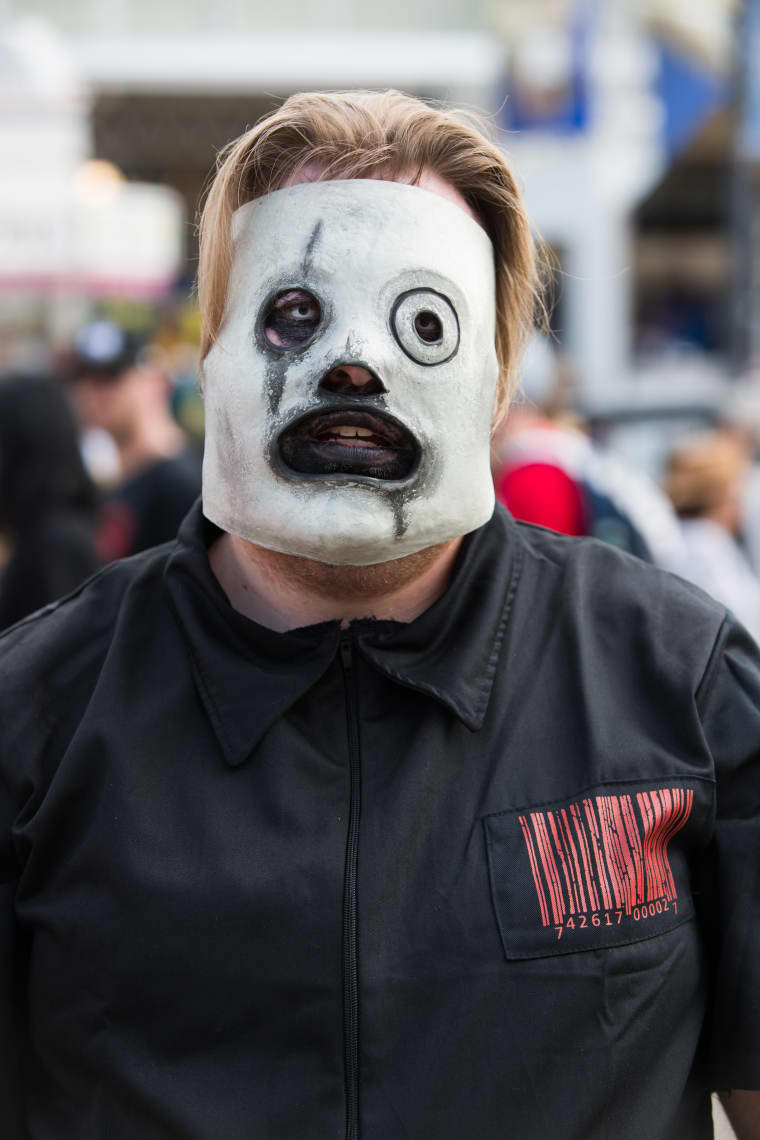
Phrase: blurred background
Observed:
(633, 124)
(634, 127)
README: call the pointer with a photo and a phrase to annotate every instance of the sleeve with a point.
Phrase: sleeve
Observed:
(729, 894)
(11, 990)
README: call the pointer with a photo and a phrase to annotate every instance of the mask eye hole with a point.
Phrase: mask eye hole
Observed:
(426, 326)
(292, 318)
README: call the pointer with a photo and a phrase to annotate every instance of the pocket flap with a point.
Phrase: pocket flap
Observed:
(597, 871)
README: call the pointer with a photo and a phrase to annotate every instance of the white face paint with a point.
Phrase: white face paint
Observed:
(395, 284)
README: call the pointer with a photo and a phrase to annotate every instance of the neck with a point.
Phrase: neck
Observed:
(282, 592)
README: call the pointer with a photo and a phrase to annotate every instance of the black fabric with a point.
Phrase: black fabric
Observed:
(538, 754)
(50, 560)
(147, 510)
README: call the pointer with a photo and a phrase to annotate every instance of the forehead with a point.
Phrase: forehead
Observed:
(358, 230)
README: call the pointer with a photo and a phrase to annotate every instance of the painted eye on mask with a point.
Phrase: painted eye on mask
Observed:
(426, 326)
(291, 318)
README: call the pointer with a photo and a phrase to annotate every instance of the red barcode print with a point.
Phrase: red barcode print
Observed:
(605, 852)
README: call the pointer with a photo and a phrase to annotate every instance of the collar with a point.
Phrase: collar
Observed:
(248, 676)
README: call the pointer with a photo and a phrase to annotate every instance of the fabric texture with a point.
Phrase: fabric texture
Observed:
(50, 560)
(147, 509)
(420, 876)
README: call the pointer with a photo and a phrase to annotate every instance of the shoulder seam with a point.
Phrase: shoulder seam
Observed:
(51, 607)
(711, 667)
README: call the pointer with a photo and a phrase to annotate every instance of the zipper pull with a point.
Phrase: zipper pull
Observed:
(346, 653)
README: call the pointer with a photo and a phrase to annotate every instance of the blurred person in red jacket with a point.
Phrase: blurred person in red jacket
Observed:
(116, 389)
(530, 465)
(47, 500)
(549, 472)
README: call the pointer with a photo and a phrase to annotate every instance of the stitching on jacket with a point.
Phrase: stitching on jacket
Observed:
(485, 683)
(679, 778)
(711, 668)
(204, 684)
(500, 631)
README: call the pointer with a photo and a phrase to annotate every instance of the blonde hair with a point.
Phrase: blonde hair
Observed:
(358, 134)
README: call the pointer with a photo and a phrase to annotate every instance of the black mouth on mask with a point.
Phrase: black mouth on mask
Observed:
(351, 441)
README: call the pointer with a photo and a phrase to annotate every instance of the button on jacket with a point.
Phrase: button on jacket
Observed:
(467, 877)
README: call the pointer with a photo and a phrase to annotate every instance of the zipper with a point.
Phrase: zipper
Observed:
(350, 933)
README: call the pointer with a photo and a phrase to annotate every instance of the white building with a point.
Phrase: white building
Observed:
(163, 86)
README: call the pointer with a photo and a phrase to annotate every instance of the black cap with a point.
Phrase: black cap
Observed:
(101, 348)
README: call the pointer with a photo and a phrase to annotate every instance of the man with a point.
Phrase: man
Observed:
(327, 821)
(117, 390)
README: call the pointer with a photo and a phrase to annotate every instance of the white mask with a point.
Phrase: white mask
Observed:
(396, 284)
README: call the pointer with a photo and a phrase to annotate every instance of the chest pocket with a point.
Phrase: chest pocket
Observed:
(607, 868)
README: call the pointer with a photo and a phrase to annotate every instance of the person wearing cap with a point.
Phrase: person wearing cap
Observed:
(363, 811)
(117, 389)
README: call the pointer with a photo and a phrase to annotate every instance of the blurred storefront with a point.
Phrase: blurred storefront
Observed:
(73, 230)
(614, 112)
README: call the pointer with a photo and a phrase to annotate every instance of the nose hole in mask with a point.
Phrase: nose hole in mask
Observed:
(352, 379)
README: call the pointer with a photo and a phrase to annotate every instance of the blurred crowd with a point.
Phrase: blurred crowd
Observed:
(700, 519)
(95, 465)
